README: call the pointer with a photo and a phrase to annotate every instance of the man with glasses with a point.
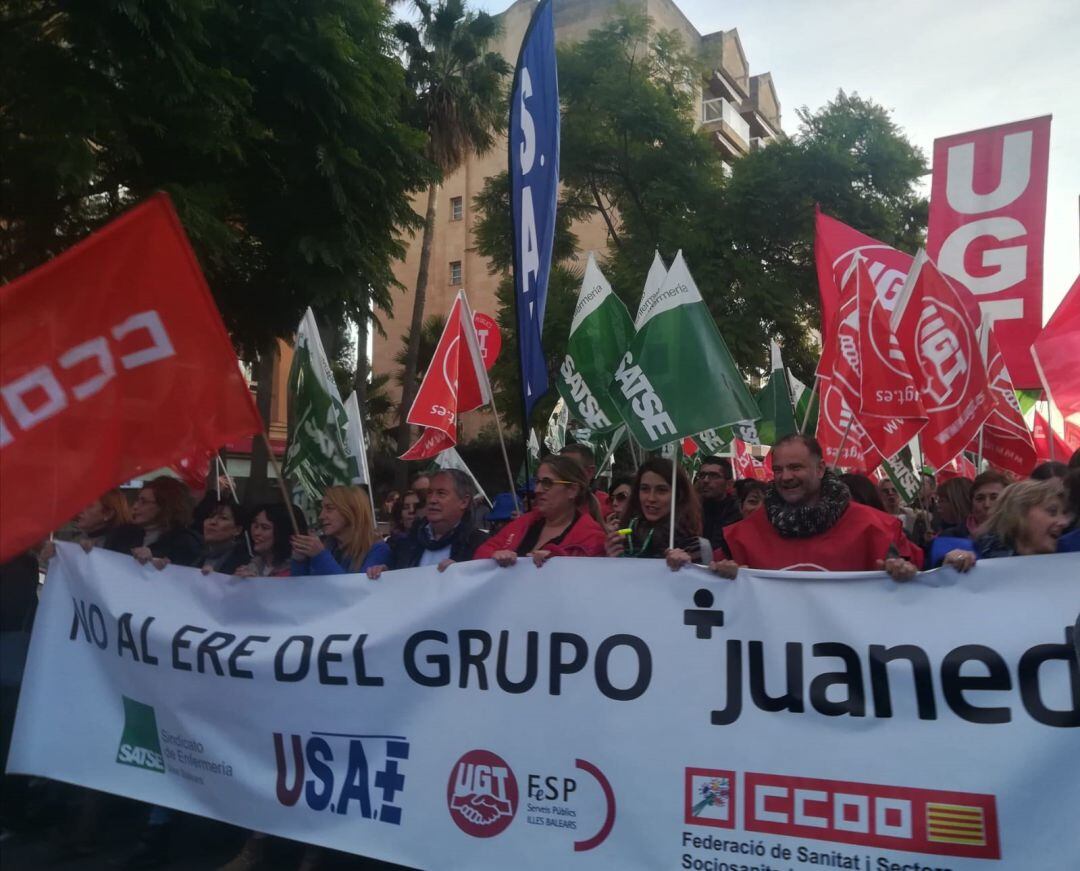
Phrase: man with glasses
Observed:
(719, 506)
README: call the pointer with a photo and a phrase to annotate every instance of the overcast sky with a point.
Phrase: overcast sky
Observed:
(941, 66)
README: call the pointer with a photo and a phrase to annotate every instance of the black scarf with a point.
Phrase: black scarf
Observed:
(803, 521)
(427, 539)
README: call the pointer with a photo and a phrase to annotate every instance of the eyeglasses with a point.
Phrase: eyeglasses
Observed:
(548, 483)
(710, 475)
(620, 497)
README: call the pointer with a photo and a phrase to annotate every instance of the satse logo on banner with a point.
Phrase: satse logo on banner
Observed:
(139, 744)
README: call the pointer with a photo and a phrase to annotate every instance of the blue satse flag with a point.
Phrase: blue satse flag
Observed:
(534, 188)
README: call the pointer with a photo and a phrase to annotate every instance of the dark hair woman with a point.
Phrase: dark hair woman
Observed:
(751, 495)
(224, 548)
(563, 523)
(954, 508)
(163, 510)
(619, 494)
(647, 517)
(404, 513)
(863, 490)
(269, 530)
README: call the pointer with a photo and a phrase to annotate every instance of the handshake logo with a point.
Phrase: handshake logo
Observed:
(482, 794)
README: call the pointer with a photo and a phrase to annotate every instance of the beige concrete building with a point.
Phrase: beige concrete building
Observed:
(740, 110)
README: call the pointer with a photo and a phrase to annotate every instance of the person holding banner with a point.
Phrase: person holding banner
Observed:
(647, 517)
(268, 531)
(811, 523)
(444, 535)
(1028, 519)
(561, 524)
(223, 550)
(954, 508)
(348, 543)
(163, 510)
(105, 522)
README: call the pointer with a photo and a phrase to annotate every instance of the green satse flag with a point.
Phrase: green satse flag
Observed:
(599, 335)
(677, 378)
(774, 400)
(806, 405)
(318, 456)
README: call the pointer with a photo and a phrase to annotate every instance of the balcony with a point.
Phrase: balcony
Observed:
(720, 116)
(759, 142)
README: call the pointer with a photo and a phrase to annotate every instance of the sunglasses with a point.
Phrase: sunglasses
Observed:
(620, 497)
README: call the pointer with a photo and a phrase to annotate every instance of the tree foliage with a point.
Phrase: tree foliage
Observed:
(275, 126)
(458, 99)
(633, 157)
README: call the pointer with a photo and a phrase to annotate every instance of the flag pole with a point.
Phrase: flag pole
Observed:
(674, 502)
(281, 481)
(809, 405)
(1050, 425)
(470, 337)
(840, 450)
(978, 461)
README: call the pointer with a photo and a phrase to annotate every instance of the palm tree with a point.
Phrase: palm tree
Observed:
(460, 103)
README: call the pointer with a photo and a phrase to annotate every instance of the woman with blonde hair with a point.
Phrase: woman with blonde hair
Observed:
(349, 542)
(1028, 518)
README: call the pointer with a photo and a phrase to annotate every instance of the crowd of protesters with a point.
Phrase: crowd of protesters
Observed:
(808, 518)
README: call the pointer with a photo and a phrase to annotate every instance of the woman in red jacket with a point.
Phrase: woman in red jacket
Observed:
(562, 523)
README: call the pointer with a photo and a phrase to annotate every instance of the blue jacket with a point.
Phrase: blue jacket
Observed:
(332, 561)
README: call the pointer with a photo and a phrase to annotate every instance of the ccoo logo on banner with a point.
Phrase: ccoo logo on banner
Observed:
(602, 714)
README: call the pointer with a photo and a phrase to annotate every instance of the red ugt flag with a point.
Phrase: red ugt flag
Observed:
(986, 228)
(939, 341)
(455, 382)
(865, 362)
(1056, 353)
(113, 362)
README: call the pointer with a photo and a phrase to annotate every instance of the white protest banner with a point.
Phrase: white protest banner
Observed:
(592, 713)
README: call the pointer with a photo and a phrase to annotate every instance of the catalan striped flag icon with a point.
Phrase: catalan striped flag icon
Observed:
(955, 824)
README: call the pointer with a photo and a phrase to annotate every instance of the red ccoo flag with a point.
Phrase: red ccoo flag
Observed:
(113, 363)
(940, 343)
(1056, 353)
(455, 382)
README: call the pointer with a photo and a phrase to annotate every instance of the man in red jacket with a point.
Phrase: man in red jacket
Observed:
(810, 523)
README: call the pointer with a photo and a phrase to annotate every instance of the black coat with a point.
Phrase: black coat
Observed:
(405, 553)
(181, 546)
